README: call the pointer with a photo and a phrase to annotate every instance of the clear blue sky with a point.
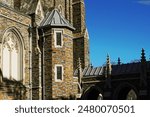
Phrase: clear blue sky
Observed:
(120, 28)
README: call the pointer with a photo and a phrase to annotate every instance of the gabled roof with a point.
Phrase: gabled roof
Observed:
(55, 19)
(123, 69)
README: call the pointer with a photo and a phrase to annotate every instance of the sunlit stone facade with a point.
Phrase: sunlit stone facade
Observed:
(30, 48)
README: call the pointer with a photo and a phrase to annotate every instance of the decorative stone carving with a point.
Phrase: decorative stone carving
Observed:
(11, 42)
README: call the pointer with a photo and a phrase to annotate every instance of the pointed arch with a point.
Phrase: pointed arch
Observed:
(12, 54)
(92, 93)
(125, 91)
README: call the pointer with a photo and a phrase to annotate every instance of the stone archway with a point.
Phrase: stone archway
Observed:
(125, 91)
(92, 93)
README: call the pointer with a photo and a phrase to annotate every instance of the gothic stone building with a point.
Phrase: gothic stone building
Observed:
(44, 54)
(129, 81)
(40, 43)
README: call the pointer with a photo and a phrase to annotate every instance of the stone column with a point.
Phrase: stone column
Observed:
(36, 62)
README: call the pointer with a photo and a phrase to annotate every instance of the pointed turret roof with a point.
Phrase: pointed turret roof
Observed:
(55, 19)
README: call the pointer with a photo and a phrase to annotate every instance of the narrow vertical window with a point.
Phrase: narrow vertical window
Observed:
(58, 72)
(58, 39)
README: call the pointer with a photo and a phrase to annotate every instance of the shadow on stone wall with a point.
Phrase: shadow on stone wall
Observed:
(71, 97)
(1, 76)
(12, 90)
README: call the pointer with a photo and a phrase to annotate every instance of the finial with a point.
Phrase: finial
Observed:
(108, 72)
(108, 66)
(91, 65)
(108, 59)
(119, 61)
(143, 58)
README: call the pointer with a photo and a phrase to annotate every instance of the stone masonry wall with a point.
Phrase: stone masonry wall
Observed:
(65, 4)
(79, 16)
(13, 19)
(78, 51)
(47, 62)
(80, 42)
(63, 56)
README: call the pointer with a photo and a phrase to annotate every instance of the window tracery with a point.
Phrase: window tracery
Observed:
(11, 61)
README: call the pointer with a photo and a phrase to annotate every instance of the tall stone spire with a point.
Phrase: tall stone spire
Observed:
(108, 67)
(143, 58)
(108, 70)
(143, 70)
(119, 61)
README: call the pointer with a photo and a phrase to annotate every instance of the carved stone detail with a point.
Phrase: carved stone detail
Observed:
(11, 42)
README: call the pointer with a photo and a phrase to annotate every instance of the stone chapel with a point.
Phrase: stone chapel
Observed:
(41, 44)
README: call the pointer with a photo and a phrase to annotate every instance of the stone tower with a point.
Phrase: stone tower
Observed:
(67, 15)
(55, 37)
(81, 40)
(57, 47)
(74, 12)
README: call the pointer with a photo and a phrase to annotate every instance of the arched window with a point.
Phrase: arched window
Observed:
(131, 95)
(12, 51)
(100, 97)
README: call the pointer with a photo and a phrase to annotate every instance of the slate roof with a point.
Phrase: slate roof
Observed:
(55, 19)
(123, 69)
(90, 71)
